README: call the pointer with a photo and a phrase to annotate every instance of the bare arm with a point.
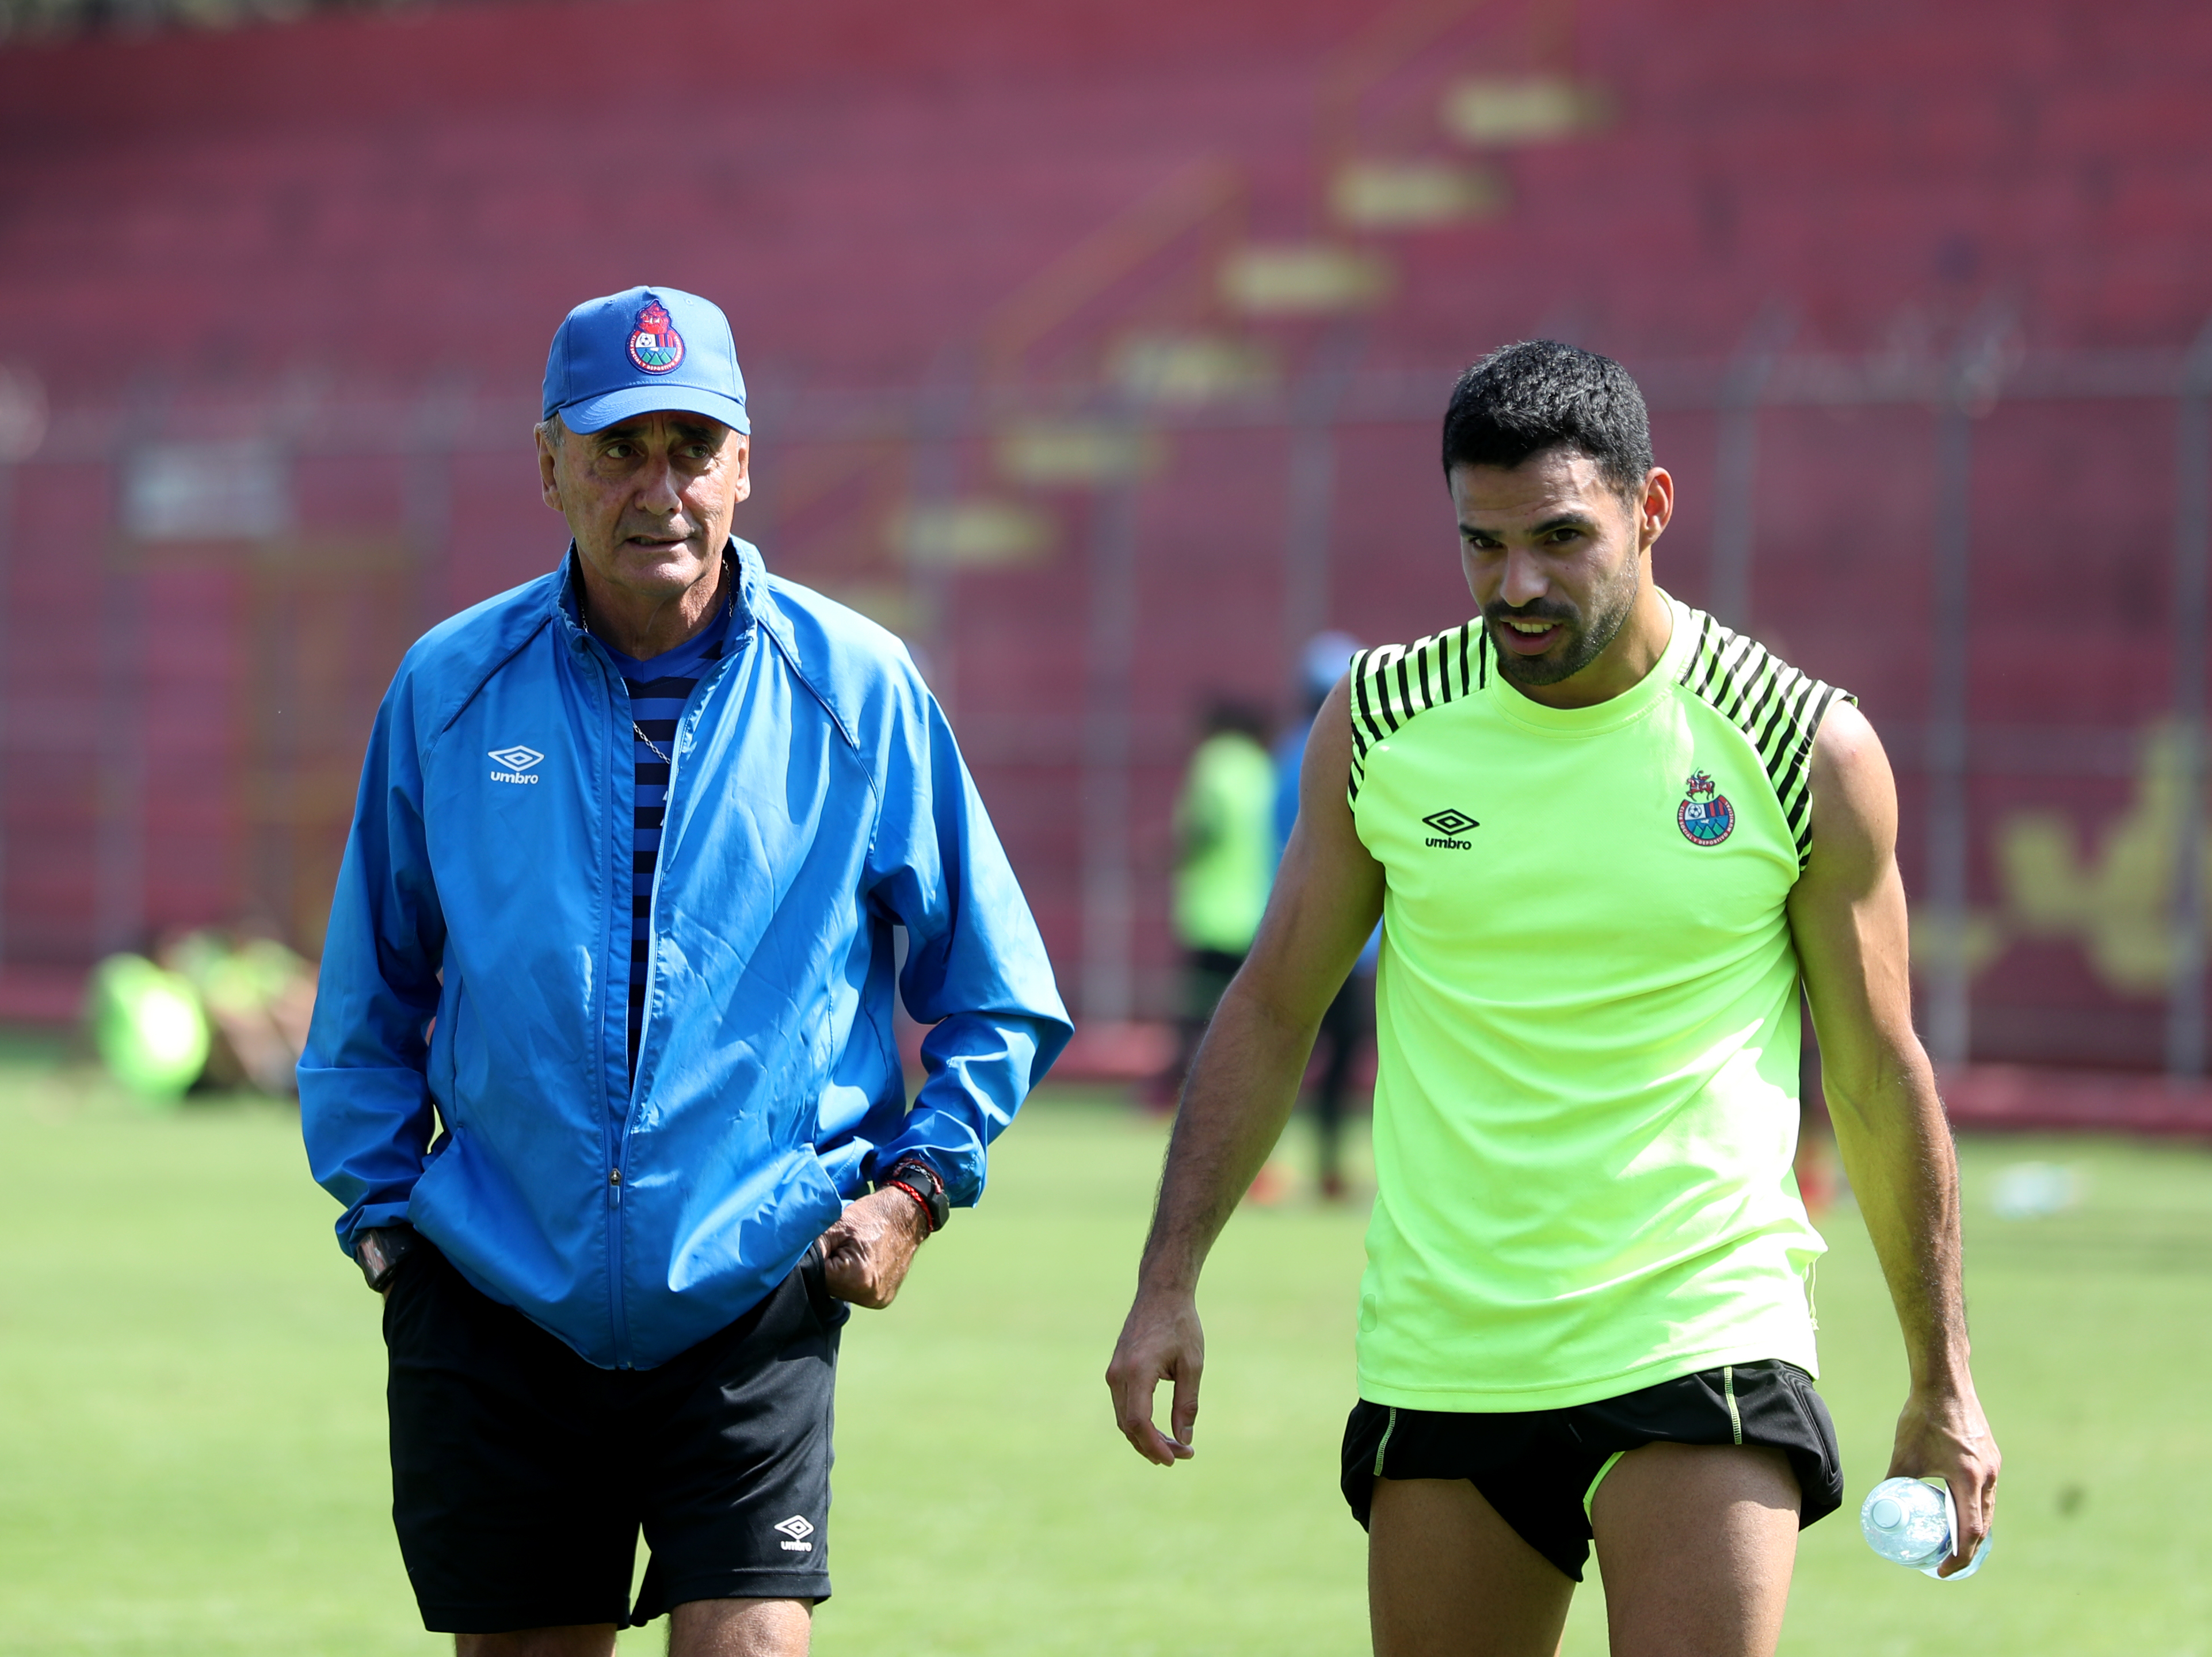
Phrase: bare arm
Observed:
(1847, 915)
(1245, 1081)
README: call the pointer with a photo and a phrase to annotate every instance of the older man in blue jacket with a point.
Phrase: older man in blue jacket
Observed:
(602, 1065)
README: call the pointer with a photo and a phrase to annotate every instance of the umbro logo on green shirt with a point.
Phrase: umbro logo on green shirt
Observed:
(1450, 825)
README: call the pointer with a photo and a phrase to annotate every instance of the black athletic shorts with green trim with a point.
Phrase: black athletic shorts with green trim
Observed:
(1540, 1468)
(521, 1475)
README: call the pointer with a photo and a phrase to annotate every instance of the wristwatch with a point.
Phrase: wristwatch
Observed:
(918, 1178)
(378, 1251)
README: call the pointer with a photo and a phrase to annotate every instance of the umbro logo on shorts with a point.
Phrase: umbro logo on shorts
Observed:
(517, 762)
(796, 1529)
(1450, 826)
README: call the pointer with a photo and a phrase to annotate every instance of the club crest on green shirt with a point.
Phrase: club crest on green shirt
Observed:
(1704, 816)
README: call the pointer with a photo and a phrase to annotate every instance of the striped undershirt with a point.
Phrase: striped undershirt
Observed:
(659, 688)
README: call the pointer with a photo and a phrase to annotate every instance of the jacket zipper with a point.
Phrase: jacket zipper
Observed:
(697, 699)
(653, 926)
(618, 1147)
(615, 1175)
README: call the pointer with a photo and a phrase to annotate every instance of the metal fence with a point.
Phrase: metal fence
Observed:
(330, 528)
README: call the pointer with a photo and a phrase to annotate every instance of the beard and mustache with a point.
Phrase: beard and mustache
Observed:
(1581, 641)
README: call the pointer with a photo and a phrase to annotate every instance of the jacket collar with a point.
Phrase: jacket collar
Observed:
(753, 603)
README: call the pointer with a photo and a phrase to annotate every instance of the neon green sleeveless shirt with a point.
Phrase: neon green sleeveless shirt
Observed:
(1586, 1096)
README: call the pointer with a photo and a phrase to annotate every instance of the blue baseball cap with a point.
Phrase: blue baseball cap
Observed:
(643, 351)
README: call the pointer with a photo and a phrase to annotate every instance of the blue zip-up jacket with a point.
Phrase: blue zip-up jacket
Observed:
(817, 801)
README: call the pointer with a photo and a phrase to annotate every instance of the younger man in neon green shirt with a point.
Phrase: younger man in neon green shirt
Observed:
(1607, 839)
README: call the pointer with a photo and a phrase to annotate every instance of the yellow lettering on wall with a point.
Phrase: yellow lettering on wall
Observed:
(2116, 901)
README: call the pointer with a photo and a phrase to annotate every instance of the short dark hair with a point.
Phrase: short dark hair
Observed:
(1522, 399)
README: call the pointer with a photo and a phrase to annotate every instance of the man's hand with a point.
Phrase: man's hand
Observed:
(1944, 1435)
(867, 1252)
(1161, 1341)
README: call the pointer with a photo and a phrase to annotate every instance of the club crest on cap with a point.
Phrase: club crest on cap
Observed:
(655, 344)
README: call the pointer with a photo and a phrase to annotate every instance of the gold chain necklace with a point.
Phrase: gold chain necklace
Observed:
(729, 611)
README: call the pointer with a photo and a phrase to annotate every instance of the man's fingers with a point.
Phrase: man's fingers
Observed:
(1972, 1485)
(1184, 1412)
(850, 1276)
(1144, 1438)
(1976, 1502)
(1133, 1411)
(1152, 1443)
(1133, 1388)
(841, 1272)
(1133, 1414)
(1157, 1345)
(1133, 1403)
(847, 1270)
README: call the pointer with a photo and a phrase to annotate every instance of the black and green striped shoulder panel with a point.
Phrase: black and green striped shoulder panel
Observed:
(1774, 705)
(1391, 684)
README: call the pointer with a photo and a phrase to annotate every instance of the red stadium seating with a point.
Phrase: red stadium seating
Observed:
(351, 238)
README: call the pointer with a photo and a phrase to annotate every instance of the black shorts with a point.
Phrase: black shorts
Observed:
(1538, 1468)
(521, 1474)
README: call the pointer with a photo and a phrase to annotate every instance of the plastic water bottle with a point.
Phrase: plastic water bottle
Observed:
(1911, 1521)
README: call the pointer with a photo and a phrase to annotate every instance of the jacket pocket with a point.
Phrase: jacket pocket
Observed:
(443, 1034)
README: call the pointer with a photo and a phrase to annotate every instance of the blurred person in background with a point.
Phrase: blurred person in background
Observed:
(259, 997)
(1612, 840)
(1224, 859)
(601, 1067)
(1350, 1020)
(212, 1009)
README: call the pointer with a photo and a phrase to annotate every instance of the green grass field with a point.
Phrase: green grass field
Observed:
(191, 1425)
